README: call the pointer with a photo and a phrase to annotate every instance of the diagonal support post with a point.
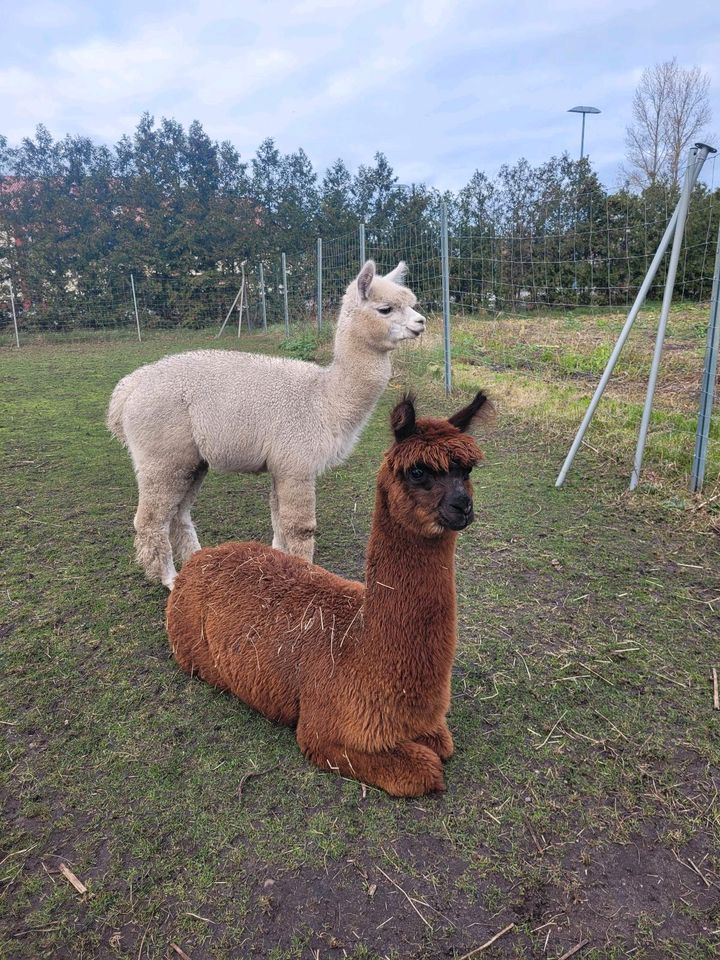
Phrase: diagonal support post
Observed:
(14, 315)
(698, 156)
(693, 172)
(229, 313)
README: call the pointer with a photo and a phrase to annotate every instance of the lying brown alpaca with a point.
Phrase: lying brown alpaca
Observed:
(361, 671)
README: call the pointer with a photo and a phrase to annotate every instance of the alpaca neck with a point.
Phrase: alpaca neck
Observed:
(410, 601)
(355, 379)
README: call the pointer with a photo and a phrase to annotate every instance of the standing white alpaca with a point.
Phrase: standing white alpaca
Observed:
(247, 413)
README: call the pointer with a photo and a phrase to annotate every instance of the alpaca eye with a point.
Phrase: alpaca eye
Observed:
(465, 471)
(416, 473)
(385, 311)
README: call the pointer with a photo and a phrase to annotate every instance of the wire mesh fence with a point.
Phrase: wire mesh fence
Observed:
(541, 305)
(595, 255)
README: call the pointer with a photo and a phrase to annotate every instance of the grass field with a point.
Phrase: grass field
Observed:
(582, 803)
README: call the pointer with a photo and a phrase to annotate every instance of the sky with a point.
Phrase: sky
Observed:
(442, 87)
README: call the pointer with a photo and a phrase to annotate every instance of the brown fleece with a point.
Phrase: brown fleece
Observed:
(361, 671)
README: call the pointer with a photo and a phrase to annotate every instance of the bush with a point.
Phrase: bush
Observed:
(303, 346)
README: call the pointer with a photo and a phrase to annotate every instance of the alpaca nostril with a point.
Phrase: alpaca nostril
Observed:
(463, 506)
(458, 513)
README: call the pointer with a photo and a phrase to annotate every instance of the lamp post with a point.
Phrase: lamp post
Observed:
(583, 111)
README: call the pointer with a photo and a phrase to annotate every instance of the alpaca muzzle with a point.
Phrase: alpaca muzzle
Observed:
(417, 324)
(458, 513)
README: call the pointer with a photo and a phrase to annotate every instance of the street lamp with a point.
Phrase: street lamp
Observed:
(583, 111)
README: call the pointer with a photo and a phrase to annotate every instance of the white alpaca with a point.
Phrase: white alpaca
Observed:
(247, 413)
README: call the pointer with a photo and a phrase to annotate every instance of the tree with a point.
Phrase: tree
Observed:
(299, 204)
(267, 177)
(182, 212)
(671, 110)
(376, 194)
(336, 216)
(475, 201)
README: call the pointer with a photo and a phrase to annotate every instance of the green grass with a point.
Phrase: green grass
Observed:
(583, 793)
(543, 370)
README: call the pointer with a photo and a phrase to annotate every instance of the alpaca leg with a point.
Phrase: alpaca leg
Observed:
(407, 770)
(440, 741)
(296, 512)
(182, 530)
(278, 541)
(161, 494)
(152, 542)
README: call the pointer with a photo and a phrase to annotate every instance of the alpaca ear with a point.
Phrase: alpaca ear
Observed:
(398, 274)
(365, 278)
(402, 418)
(480, 410)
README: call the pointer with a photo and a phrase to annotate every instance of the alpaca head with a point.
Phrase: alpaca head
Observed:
(425, 475)
(379, 310)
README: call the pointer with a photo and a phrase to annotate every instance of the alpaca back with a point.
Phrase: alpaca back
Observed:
(250, 412)
(243, 412)
(262, 624)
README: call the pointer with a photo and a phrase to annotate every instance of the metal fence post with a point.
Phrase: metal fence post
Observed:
(707, 391)
(285, 300)
(361, 230)
(444, 254)
(262, 297)
(12, 304)
(319, 283)
(242, 296)
(697, 159)
(137, 317)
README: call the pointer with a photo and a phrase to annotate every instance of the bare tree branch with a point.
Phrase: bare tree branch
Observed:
(671, 108)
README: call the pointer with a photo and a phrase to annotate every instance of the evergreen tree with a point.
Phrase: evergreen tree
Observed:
(376, 194)
(182, 212)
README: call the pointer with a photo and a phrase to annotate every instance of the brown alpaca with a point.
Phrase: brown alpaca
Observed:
(361, 671)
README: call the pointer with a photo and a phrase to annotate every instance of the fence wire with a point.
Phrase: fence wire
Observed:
(542, 305)
(595, 255)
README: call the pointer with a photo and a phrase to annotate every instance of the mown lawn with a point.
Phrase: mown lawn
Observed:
(582, 802)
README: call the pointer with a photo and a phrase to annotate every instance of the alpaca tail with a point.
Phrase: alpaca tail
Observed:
(117, 405)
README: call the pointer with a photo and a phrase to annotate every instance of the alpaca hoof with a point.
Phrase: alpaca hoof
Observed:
(438, 785)
(433, 782)
(423, 775)
(436, 781)
(153, 553)
(429, 782)
(440, 743)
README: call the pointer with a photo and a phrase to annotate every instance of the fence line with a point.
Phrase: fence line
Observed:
(562, 257)
(484, 273)
(463, 272)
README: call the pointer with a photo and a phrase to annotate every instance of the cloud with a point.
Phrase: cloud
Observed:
(43, 15)
(441, 86)
(102, 71)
